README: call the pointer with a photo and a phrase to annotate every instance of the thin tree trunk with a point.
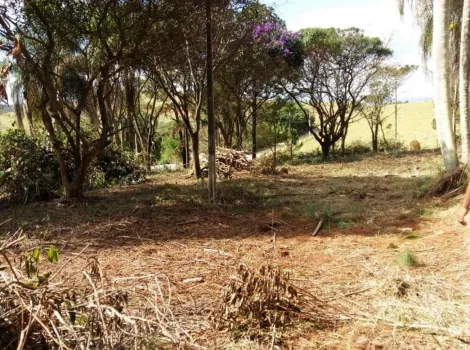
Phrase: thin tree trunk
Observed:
(254, 121)
(464, 82)
(29, 117)
(383, 136)
(396, 112)
(195, 147)
(19, 116)
(442, 83)
(210, 106)
(375, 138)
(186, 148)
(343, 145)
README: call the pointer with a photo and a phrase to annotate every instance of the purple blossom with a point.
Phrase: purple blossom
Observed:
(275, 38)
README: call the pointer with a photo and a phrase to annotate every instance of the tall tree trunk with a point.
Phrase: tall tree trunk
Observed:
(325, 148)
(387, 146)
(343, 145)
(442, 98)
(239, 126)
(464, 82)
(186, 148)
(254, 121)
(195, 148)
(183, 148)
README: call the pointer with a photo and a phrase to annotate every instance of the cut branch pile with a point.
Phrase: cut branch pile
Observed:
(254, 303)
(227, 162)
(90, 313)
(450, 183)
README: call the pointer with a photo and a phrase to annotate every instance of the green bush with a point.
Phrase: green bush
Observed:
(392, 145)
(114, 168)
(27, 170)
(170, 148)
(30, 172)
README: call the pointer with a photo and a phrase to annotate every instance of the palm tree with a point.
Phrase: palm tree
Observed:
(435, 19)
(464, 82)
(442, 100)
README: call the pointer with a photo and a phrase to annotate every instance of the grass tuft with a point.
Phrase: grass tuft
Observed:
(412, 236)
(408, 259)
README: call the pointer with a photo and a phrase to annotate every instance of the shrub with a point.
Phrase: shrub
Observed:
(27, 170)
(392, 145)
(169, 150)
(114, 167)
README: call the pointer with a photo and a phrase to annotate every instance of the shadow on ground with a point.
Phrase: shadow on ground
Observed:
(174, 207)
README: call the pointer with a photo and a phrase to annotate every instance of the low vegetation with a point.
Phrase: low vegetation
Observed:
(331, 223)
(247, 274)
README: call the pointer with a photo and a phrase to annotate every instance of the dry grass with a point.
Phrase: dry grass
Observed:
(414, 123)
(165, 228)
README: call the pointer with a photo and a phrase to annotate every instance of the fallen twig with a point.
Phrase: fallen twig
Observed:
(193, 280)
(320, 223)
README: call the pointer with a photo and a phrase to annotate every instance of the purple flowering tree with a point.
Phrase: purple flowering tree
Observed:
(279, 42)
(262, 56)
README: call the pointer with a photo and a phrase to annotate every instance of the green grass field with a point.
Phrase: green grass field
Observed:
(414, 123)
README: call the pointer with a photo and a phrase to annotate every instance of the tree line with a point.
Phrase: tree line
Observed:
(96, 74)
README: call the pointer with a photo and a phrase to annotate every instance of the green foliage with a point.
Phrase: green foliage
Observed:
(28, 171)
(339, 63)
(114, 167)
(280, 122)
(337, 41)
(392, 145)
(53, 255)
(412, 236)
(342, 225)
(31, 263)
(170, 147)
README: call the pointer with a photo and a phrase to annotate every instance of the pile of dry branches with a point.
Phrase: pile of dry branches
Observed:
(257, 303)
(450, 183)
(85, 310)
(227, 162)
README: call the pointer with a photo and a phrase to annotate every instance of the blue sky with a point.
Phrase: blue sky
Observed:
(377, 18)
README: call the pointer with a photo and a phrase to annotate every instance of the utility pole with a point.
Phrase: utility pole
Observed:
(210, 106)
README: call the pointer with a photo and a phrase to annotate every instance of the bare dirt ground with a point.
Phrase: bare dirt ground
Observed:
(373, 211)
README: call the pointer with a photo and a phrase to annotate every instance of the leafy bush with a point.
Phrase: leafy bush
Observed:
(392, 145)
(169, 150)
(114, 167)
(27, 170)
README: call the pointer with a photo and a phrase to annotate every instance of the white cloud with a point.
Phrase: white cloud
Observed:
(377, 18)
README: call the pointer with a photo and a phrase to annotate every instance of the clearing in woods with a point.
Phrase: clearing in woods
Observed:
(373, 212)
